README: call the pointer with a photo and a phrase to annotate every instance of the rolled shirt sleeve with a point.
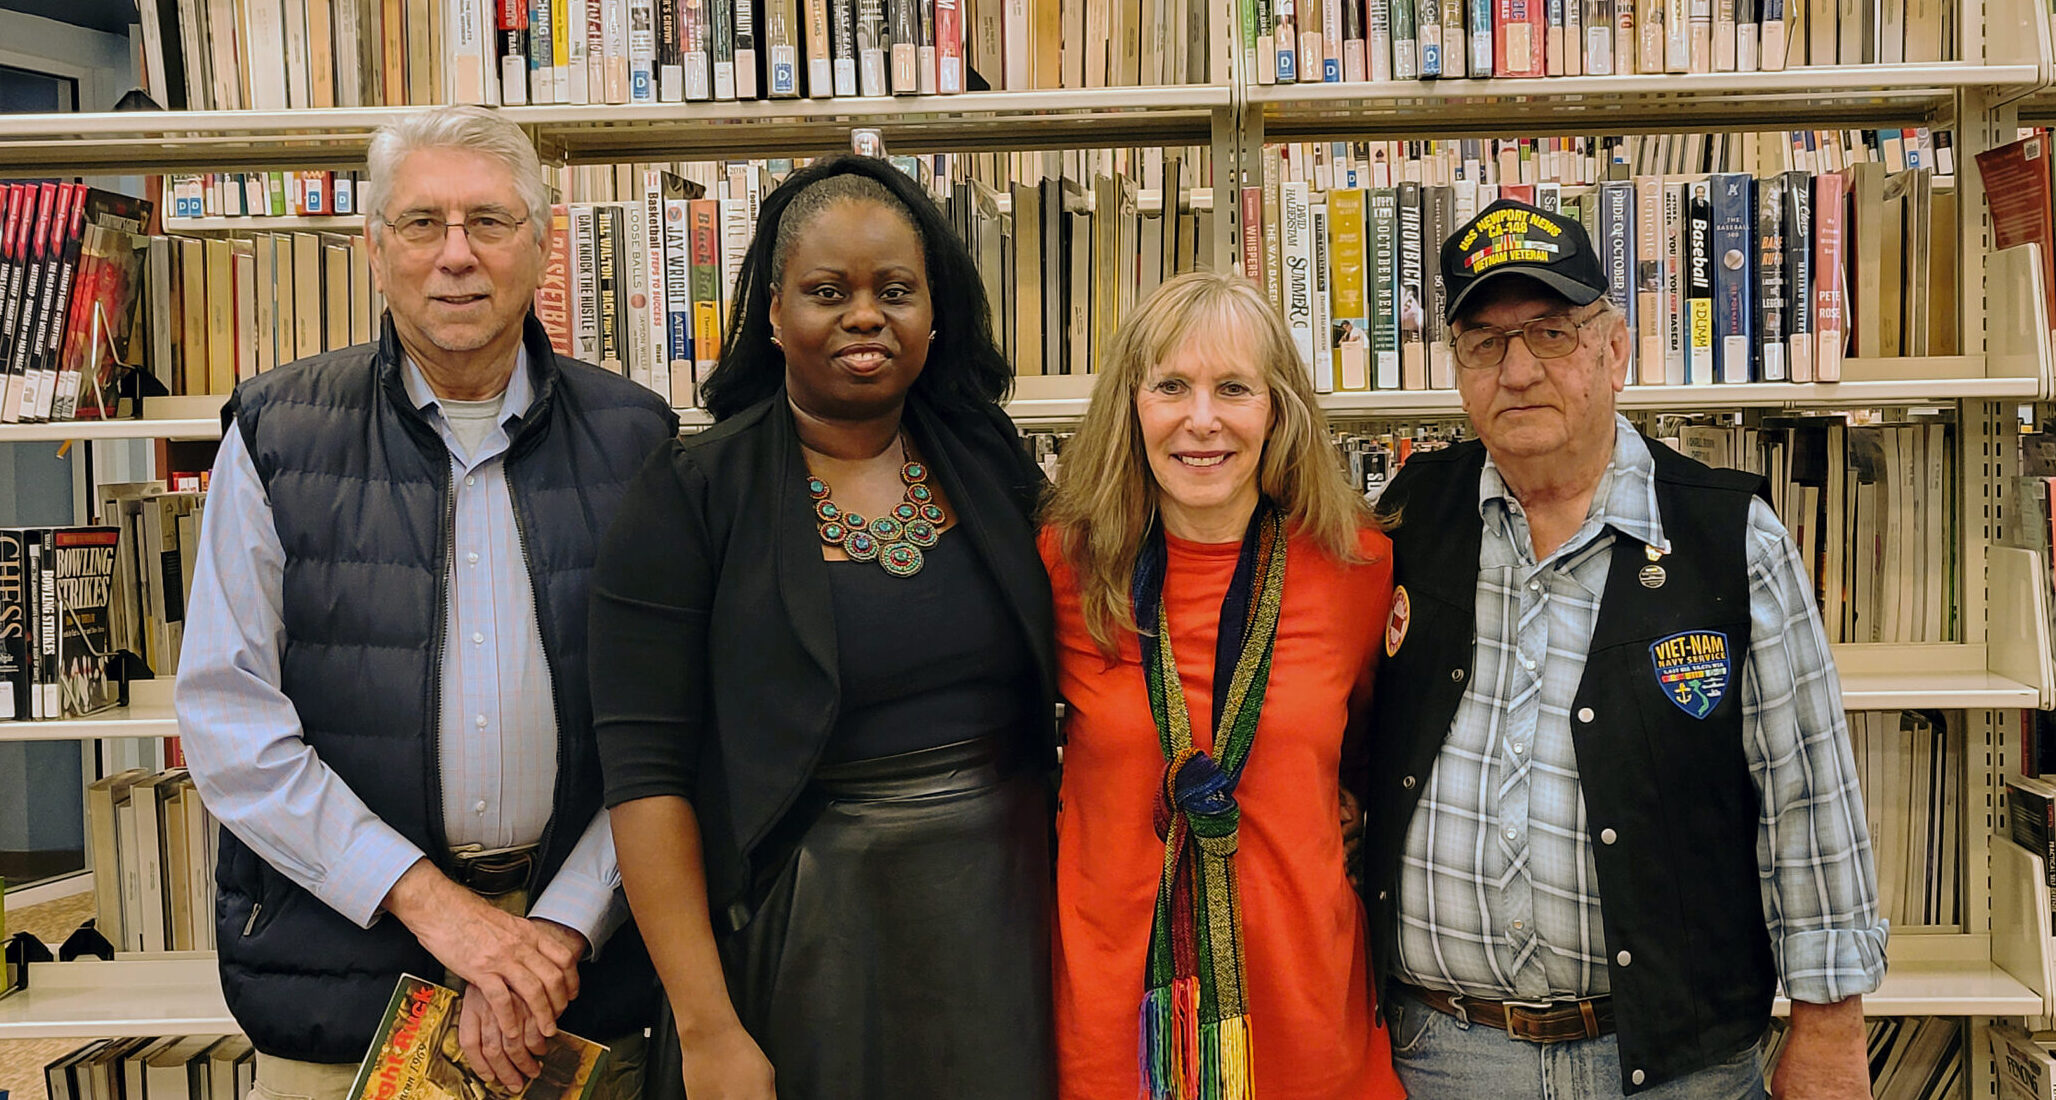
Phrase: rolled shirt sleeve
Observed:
(1813, 845)
(242, 736)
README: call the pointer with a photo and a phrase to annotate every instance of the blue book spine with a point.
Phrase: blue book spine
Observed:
(1480, 36)
(1734, 337)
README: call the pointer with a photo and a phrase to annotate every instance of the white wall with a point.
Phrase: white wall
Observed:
(101, 63)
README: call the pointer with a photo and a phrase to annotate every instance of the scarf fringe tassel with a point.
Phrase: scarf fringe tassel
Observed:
(1184, 1059)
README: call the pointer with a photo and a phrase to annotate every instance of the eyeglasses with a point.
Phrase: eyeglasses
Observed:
(1551, 337)
(422, 230)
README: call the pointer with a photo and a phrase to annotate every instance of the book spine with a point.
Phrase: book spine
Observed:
(1556, 21)
(1673, 283)
(1455, 46)
(1521, 38)
(585, 283)
(1617, 249)
(553, 297)
(1411, 294)
(1699, 35)
(656, 311)
(871, 48)
(1296, 252)
(1378, 47)
(14, 626)
(1648, 275)
(678, 298)
(1830, 279)
(1733, 314)
(618, 75)
(949, 47)
(1798, 234)
(642, 52)
(579, 75)
(1597, 16)
(842, 46)
(706, 287)
(903, 46)
(609, 240)
(696, 57)
(1441, 364)
(542, 73)
(1252, 234)
(1382, 274)
(1355, 65)
(1677, 36)
(636, 305)
(1347, 296)
(1770, 320)
(1285, 41)
(820, 65)
(1406, 55)
(49, 697)
(1322, 368)
(721, 22)
(1624, 44)
(746, 48)
(781, 44)
(1428, 30)
(1483, 40)
(1649, 52)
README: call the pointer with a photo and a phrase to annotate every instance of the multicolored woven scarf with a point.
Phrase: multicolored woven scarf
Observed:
(1195, 1019)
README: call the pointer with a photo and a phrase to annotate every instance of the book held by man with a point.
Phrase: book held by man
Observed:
(415, 1056)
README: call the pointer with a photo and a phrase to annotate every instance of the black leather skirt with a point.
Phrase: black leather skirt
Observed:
(902, 951)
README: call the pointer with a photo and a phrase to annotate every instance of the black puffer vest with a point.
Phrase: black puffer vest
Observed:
(1657, 729)
(361, 492)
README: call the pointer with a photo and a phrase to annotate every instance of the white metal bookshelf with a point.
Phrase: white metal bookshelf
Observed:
(181, 994)
(1062, 399)
(1998, 962)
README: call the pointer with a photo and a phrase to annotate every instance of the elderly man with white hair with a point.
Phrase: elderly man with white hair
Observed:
(383, 694)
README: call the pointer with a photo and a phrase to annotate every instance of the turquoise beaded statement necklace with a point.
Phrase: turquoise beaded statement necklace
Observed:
(894, 541)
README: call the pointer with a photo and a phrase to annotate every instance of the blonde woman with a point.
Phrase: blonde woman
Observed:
(1220, 595)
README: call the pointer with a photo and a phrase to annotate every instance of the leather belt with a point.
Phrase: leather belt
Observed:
(493, 873)
(1530, 1021)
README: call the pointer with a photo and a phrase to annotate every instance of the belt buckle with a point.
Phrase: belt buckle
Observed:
(1507, 1008)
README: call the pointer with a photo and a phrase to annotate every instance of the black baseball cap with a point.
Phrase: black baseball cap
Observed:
(1513, 238)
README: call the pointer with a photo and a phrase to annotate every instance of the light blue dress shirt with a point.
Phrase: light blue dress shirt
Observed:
(497, 739)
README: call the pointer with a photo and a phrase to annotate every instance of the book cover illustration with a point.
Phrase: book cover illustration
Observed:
(84, 572)
(415, 1056)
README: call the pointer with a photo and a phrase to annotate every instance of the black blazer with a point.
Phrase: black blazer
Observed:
(713, 645)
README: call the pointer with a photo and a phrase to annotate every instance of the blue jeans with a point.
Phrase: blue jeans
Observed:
(1441, 1058)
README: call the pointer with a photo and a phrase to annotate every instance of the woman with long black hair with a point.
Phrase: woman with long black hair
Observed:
(822, 677)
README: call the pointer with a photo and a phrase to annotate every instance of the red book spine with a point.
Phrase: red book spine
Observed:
(1253, 234)
(1519, 37)
(949, 46)
(512, 51)
(553, 297)
(1830, 278)
(10, 275)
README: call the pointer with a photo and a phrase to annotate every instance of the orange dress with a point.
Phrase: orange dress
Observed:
(1303, 926)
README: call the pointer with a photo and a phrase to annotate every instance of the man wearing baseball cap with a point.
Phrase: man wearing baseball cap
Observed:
(1620, 807)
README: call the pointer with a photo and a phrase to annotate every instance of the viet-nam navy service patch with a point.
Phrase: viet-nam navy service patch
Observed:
(1692, 668)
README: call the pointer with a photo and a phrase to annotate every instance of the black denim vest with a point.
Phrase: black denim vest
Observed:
(1661, 763)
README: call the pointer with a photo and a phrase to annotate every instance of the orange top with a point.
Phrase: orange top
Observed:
(1303, 927)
